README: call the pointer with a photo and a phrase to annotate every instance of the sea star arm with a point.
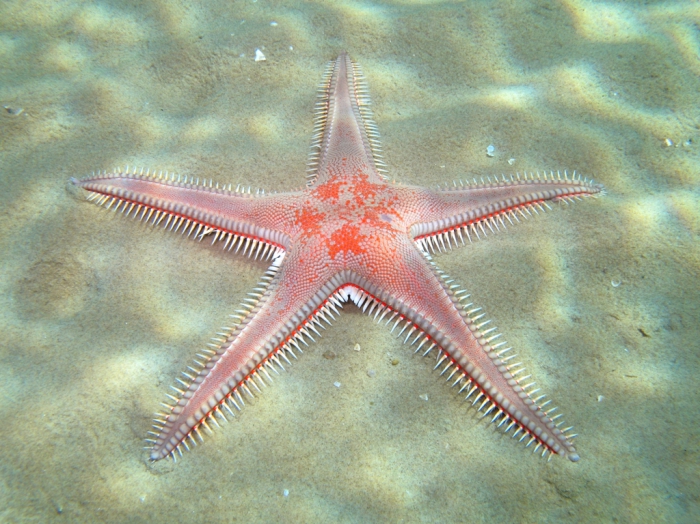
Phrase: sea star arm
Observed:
(300, 294)
(238, 218)
(437, 316)
(470, 211)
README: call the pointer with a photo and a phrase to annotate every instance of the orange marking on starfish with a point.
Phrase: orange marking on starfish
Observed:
(329, 192)
(363, 195)
(347, 240)
(309, 220)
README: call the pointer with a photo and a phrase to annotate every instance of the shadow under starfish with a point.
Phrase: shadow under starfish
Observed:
(350, 234)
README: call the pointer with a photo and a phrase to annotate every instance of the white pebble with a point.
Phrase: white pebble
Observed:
(371, 373)
(491, 151)
(357, 347)
(424, 396)
(259, 56)
(600, 398)
(285, 492)
(336, 384)
(273, 24)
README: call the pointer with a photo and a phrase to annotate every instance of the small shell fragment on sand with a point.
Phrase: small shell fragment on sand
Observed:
(14, 111)
(356, 347)
(336, 384)
(424, 396)
(259, 56)
(491, 151)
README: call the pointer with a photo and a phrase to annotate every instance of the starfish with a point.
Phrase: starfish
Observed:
(349, 235)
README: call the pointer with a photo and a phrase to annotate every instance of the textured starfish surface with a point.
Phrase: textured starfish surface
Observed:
(350, 234)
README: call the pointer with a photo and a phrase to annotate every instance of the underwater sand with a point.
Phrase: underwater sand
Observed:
(99, 313)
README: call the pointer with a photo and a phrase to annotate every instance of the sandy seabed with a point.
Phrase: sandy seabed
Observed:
(99, 313)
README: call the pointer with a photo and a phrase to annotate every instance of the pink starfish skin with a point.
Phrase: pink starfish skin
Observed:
(349, 235)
